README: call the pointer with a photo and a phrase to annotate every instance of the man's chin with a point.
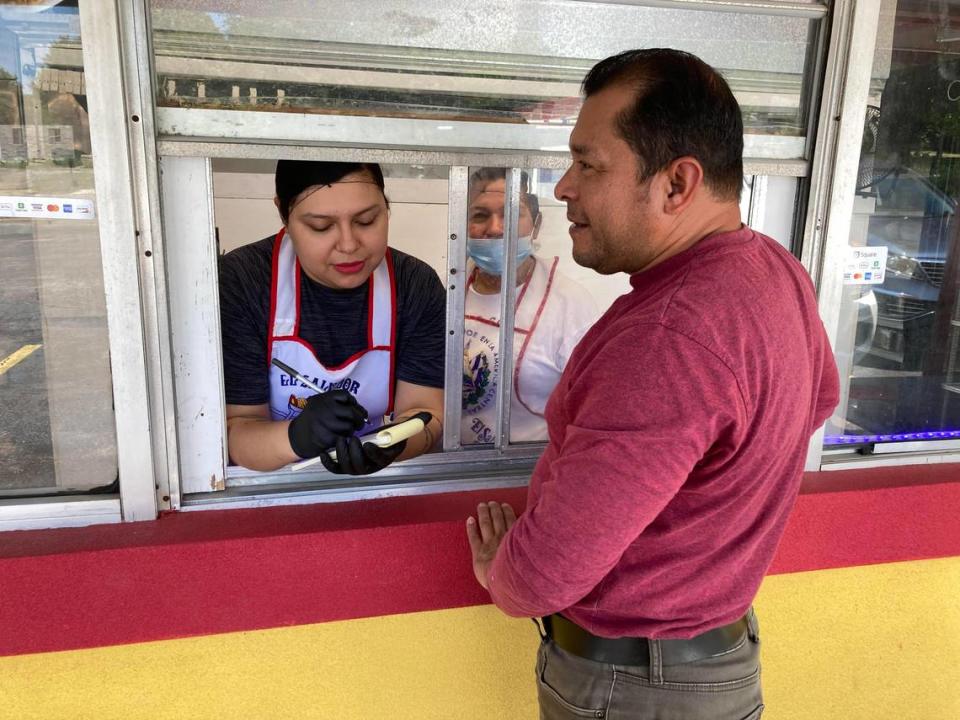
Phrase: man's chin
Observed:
(594, 263)
(587, 260)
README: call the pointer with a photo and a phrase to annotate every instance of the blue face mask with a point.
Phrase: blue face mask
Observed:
(487, 253)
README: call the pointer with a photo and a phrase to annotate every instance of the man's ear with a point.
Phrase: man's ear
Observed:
(685, 178)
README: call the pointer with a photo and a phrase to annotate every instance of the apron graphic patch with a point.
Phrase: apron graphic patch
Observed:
(479, 378)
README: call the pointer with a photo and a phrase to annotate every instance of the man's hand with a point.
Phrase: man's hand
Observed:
(494, 519)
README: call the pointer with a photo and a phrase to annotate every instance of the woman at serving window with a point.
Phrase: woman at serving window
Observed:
(328, 298)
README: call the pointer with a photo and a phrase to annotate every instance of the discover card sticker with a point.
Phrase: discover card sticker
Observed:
(865, 265)
(46, 207)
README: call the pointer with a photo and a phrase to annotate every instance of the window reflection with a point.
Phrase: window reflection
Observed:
(899, 333)
(440, 62)
(57, 428)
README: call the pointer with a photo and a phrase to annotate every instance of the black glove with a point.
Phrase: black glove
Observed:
(356, 459)
(327, 416)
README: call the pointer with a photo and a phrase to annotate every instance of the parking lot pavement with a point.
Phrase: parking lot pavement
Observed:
(56, 406)
(26, 451)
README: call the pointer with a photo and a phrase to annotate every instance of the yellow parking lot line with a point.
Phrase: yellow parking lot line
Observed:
(16, 356)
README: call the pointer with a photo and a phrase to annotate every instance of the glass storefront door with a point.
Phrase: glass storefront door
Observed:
(899, 343)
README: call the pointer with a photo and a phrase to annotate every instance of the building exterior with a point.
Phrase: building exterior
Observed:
(178, 585)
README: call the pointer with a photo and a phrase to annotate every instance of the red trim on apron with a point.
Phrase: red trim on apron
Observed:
(271, 338)
(300, 341)
(274, 270)
(297, 273)
(393, 329)
(370, 304)
(523, 347)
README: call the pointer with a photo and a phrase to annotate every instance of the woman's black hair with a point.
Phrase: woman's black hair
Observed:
(294, 176)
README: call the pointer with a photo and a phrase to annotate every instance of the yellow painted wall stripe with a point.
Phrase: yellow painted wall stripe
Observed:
(873, 643)
(876, 642)
(17, 356)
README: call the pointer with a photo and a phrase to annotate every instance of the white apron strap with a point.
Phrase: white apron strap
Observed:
(284, 288)
(380, 317)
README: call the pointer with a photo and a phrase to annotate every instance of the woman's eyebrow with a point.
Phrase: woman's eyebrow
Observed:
(321, 216)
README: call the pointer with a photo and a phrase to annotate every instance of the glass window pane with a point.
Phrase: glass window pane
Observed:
(56, 409)
(556, 303)
(900, 319)
(514, 68)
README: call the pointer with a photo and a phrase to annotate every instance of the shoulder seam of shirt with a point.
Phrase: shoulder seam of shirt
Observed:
(661, 321)
(695, 341)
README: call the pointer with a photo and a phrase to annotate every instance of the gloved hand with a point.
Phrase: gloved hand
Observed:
(327, 416)
(356, 459)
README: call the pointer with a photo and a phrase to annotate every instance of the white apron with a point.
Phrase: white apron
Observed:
(368, 375)
(481, 360)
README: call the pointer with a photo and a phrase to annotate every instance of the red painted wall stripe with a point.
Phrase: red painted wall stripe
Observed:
(200, 573)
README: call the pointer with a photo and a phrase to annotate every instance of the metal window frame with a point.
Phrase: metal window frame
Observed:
(123, 152)
(460, 468)
(813, 9)
(456, 282)
(849, 28)
(76, 511)
(140, 79)
(854, 461)
(418, 471)
(834, 164)
(115, 44)
(122, 149)
(508, 306)
(244, 150)
(355, 131)
(187, 192)
(119, 76)
(186, 189)
(350, 131)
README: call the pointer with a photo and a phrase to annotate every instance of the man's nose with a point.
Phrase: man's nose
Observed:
(563, 190)
(495, 226)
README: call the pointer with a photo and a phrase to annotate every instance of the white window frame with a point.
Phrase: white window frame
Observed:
(118, 79)
(187, 194)
(260, 126)
(142, 276)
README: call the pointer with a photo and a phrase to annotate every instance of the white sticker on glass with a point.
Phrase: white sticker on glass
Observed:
(865, 265)
(46, 207)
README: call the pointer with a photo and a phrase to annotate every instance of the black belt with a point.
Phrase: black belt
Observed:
(636, 651)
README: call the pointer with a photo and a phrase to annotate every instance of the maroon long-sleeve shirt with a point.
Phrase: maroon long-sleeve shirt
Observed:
(678, 434)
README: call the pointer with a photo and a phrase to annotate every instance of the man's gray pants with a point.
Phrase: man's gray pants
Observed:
(721, 687)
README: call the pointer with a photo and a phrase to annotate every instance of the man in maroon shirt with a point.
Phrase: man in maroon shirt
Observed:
(679, 428)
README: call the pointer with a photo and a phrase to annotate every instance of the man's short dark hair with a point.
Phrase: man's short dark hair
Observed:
(683, 107)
